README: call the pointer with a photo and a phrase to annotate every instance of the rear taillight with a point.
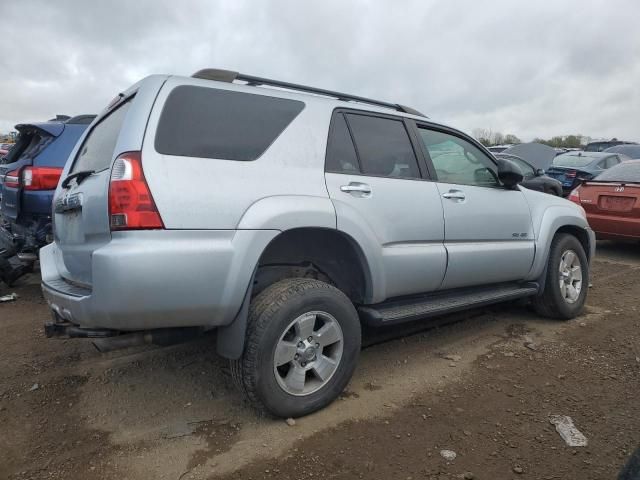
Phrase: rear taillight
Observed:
(571, 174)
(131, 206)
(41, 178)
(12, 179)
(574, 196)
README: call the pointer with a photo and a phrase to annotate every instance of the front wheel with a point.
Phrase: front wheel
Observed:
(567, 280)
(302, 345)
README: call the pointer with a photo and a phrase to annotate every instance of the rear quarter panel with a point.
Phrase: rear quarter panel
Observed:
(205, 193)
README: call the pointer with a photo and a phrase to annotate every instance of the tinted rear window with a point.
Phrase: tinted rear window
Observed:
(623, 172)
(96, 152)
(383, 147)
(341, 155)
(209, 123)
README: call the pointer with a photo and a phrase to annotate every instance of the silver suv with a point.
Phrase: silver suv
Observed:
(285, 217)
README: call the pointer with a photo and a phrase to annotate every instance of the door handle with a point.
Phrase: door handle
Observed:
(356, 187)
(454, 195)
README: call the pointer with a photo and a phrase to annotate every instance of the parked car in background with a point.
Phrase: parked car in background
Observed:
(534, 178)
(533, 159)
(286, 217)
(631, 151)
(612, 201)
(498, 148)
(573, 168)
(29, 174)
(601, 146)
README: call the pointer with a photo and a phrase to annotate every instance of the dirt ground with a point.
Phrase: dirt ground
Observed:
(69, 412)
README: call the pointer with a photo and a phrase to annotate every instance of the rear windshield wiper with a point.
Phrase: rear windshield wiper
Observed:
(79, 176)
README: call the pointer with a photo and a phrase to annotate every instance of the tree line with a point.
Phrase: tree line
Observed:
(489, 138)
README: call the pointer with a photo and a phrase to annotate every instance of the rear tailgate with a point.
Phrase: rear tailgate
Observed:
(612, 207)
(81, 210)
(32, 141)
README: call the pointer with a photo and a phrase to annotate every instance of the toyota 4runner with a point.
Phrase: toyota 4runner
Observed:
(286, 217)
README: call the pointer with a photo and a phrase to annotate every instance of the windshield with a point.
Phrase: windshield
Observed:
(571, 161)
(623, 172)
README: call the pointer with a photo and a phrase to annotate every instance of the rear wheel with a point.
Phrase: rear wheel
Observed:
(303, 342)
(567, 280)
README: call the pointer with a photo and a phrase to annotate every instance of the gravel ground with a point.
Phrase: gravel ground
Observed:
(482, 386)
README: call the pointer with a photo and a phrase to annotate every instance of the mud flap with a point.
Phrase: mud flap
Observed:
(231, 338)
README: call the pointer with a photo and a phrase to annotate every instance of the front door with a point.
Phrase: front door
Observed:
(383, 202)
(488, 229)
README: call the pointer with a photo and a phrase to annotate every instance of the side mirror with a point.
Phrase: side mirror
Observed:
(540, 172)
(509, 173)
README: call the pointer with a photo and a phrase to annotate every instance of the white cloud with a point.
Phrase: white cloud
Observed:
(517, 67)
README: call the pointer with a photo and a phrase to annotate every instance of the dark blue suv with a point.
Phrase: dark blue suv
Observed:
(29, 174)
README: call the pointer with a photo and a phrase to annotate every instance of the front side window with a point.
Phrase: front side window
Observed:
(383, 146)
(458, 161)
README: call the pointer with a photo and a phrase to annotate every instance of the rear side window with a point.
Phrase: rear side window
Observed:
(96, 152)
(209, 123)
(383, 146)
(612, 161)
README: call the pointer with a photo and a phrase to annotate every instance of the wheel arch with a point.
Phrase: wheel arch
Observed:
(555, 220)
(329, 254)
(312, 252)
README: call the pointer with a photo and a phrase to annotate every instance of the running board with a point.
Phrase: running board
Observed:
(416, 308)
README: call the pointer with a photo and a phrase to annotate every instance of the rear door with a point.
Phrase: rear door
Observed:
(81, 217)
(488, 229)
(383, 201)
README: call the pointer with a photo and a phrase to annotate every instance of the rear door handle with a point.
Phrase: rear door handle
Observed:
(454, 195)
(356, 187)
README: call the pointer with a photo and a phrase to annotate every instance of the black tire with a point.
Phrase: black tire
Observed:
(269, 315)
(551, 303)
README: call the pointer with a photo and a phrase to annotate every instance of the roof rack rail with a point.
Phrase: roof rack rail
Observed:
(229, 76)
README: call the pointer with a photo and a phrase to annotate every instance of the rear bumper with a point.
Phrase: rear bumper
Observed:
(611, 226)
(157, 279)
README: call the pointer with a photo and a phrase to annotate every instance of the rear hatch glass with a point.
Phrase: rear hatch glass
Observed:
(97, 149)
(81, 219)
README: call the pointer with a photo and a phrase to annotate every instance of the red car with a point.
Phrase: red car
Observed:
(612, 201)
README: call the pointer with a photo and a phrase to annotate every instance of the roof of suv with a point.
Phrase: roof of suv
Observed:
(227, 76)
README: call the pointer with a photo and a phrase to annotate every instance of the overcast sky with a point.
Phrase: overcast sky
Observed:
(522, 67)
